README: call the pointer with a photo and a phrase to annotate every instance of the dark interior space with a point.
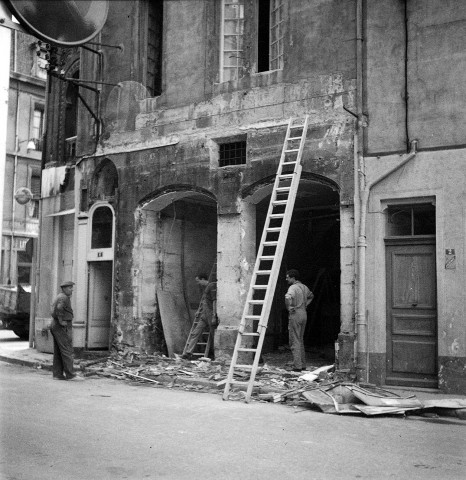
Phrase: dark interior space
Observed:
(313, 248)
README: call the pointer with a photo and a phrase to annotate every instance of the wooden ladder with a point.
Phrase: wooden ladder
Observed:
(269, 257)
(205, 340)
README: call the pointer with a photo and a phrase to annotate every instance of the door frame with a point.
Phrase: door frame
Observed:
(408, 241)
(99, 255)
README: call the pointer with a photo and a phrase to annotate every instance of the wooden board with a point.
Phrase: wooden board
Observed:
(175, 320)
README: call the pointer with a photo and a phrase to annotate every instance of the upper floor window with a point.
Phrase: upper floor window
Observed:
(38, 126)
(231, 59)
(35, 189)
(154, 46)
(270, 35)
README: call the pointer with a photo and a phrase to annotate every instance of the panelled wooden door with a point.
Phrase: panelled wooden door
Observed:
(411, 315)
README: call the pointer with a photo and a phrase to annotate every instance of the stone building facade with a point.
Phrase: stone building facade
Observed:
(24, 144)
(161, 164)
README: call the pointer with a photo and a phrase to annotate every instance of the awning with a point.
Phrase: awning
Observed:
(63, 212)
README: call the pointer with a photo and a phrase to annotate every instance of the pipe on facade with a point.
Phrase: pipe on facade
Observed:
(361, 316)
(15, 175)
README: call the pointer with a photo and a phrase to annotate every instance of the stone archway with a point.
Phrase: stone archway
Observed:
(313, 247)
(176, 239)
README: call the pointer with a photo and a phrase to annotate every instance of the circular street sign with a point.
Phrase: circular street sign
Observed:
(23, 195)
(66, 23)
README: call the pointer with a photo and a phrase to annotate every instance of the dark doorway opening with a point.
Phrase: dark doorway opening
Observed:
(313, 248)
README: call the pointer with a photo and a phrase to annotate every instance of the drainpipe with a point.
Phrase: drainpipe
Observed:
(361, 317)
(15, 175)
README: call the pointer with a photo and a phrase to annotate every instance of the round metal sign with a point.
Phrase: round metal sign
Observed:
(66, 23)
(23, 195)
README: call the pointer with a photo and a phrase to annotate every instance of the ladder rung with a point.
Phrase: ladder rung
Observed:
(294, 138)
(244, 349)
(292, 150)
(260, 287)
(283, 189)
(270, 244)
(274, 229)
(290, 163)
(253, 317)
(267, 257)
(277, 215)
(285, 176)
(301, 125)
(250, 334)
(239, 382)
(263, 272)
(256, 302)
(280, 202)
(243, 366)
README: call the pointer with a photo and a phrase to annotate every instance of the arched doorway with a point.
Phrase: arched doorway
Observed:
(100, 271)
(177, 241)
(313, 248)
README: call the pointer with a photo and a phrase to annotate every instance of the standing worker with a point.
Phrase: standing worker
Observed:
(297, 298)
(61, 328)
(207, 314)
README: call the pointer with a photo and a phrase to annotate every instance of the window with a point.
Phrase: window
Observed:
(409, 220)
(38, 126)
(102, 228)
(270, 35)
(233, 153)
(71, 119)
(25, 263)
(35, 189)
(154, 47)
(231, 60)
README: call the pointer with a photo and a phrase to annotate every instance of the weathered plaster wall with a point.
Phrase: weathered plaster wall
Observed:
(434, 62)
(425, 176)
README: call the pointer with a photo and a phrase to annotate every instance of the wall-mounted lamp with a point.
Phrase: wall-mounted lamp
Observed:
(30, 146)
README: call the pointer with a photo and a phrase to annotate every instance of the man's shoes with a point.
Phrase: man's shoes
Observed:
(59, 377)
(75, 378)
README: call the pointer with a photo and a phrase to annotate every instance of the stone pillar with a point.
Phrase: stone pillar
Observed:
(346, 336)
(236, 244)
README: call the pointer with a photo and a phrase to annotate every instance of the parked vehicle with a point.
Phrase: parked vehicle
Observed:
(15, 305)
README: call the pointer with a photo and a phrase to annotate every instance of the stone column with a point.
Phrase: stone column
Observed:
(236, 244)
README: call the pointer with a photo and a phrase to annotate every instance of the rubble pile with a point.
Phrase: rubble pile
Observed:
(317, 389)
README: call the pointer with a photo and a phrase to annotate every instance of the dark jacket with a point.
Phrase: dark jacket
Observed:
(61, 309)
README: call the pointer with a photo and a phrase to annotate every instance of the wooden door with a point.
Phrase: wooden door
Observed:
(100, 305)
(411, 315)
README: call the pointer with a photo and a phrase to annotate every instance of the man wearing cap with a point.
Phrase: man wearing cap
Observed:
(62, 315)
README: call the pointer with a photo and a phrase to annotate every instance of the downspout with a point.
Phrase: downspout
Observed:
(15, 174)
(361, 317)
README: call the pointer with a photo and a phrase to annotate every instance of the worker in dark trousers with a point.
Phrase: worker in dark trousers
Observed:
(207, 314)
(297, 298)
(61, 328)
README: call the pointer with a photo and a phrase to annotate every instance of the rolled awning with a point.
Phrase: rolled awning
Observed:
(63, 212)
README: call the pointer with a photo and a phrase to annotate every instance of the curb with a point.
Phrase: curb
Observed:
(26, 363)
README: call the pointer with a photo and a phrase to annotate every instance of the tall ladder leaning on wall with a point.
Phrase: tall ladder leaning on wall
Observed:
(269, 257)
(205, 340)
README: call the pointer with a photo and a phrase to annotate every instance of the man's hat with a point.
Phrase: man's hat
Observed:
(67, 284)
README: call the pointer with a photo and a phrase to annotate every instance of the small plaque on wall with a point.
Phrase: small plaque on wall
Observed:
(450, 259)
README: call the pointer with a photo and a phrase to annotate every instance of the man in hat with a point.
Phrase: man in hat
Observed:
(62, 315)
